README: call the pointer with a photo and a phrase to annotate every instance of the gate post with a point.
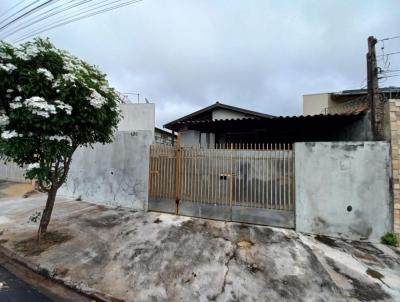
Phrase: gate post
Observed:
(231, 180)
(177, 173)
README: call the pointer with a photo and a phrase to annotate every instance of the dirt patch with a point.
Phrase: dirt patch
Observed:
(30, 193)
(362, 291)
(326, 240)
(244, 244)
(12, 189)
(30, 246)
(3, 241)
(106, 221)
(365, 256)
(158, 220)
(374, 274)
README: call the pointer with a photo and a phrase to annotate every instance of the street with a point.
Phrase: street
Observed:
(13, 289)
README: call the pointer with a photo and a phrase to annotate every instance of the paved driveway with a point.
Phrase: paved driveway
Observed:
(138, 256)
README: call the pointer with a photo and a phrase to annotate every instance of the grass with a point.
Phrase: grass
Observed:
(30, 246)
(390, 239)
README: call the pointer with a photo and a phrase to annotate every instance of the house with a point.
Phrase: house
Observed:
(338, 102)
(164, 137)
(225, 124)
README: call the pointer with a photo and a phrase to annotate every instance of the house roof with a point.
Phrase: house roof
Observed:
(390, 89)
(276, 118)
(157, 129)
(192, 117)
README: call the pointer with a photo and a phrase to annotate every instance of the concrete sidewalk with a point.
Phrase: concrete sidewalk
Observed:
(138, 256)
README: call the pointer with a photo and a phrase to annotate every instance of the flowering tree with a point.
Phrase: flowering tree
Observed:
(50, 104)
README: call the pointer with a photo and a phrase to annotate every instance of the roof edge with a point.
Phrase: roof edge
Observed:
(215, 106)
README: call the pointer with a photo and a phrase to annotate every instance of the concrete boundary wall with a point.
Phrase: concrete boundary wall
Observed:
(114, 174)
(117, 173)
(394, 136)
(12, 172)
(343, 189)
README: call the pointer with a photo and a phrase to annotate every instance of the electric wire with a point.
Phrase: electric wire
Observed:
(89, 13)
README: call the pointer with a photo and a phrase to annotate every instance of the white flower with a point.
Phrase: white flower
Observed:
(33, 166)
(21, 55)
(68, 77)
(104, 88)
(10, 90)
(49, 76)
(59, 138)
(19, 88)
(96, 99)
(29, 52)
(15, 105)
(4, 120)
(5, 56)
(8, 67)
(39, 106)
(61, 105)
(9, 134)
(32, 50)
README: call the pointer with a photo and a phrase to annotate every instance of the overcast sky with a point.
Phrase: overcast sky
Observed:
(257, 54)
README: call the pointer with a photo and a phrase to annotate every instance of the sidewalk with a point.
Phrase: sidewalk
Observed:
(138, 256)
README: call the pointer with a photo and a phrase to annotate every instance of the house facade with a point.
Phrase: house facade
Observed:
(225, 124)
(342, 101)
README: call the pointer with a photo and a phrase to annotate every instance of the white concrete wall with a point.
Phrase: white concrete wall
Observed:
(314, 104)
(113, 174)
(12, 172)
(190, 137)
(137, 117)
(116, 173)
(222, 114)
(330, 177)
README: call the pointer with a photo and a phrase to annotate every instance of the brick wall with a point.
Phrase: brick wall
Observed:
(394, 108)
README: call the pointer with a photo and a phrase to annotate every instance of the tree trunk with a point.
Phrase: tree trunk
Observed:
(45, 220)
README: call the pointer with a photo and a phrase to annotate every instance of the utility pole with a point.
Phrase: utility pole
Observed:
(374, 98)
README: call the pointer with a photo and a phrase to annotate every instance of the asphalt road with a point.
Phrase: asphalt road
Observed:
(13, 289)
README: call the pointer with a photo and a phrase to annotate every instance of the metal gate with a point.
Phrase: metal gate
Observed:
(244, 183)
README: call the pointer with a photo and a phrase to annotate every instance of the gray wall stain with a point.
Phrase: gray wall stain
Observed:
(343, 189)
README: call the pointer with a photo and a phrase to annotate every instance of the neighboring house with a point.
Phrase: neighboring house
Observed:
(163, 137)
(224, 124)
(343, 101)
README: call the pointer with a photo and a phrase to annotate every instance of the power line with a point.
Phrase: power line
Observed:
(389, 54)
(390, 38)
(21, 38)
(11, 8)
(89, 8)
(389, 76)
(26, 14)
(20, 10)
(50, 13)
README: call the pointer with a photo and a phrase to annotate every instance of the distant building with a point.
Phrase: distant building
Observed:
(343, 101)
(225, 124)
(163, 137)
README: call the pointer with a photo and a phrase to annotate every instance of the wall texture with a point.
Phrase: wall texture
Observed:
(394, 136)
(114, 174)
(137, 117)
(343, 189)
(12, 172)
(190, 137)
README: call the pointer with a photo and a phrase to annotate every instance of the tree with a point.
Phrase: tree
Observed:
(51, 103)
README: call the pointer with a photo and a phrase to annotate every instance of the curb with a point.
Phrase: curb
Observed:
(89, 293)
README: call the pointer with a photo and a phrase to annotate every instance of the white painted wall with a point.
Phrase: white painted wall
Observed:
(222, 114)
(116, 173)
(137, 117)
(330, 176)
(314, 104)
